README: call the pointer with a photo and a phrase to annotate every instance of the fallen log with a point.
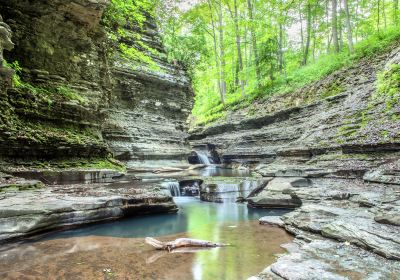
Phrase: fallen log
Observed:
(182, 242)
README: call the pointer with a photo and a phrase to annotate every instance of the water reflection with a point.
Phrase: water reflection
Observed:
(193, 215)
(117, 251)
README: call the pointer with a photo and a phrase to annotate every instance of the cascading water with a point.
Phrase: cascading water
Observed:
(173, 188)
(203, 158)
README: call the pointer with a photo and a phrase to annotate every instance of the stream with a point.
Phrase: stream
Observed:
(116, 250)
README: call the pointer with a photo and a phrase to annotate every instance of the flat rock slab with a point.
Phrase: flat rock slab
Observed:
(341, 222)
(24, 213)
(272, 221)
(389, 216)
(269, 199)
(326, 259)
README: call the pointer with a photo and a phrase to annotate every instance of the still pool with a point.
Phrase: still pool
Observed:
(117, 250)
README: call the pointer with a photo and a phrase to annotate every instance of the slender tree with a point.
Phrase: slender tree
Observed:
(308, 40)
(235, 17)
(222, 51)
(335, 26)
(254, 39)
(348, 26)
(217, 64)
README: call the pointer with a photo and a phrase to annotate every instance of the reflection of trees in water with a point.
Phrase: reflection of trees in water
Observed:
(254, 249)
(254, 246)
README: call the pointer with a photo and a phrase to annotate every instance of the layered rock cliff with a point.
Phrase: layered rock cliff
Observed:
(78, 96)
(331, 151)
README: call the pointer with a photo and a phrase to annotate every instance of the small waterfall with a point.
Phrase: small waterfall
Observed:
(173, 188)
(203, 158)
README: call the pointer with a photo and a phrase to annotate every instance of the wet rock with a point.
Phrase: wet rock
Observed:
(274, 200)
(137, 114)
(220, 189)
(56, 177)
(280, 193)
(381, 239)
(281, 184)
(34, 211)
(272, 221)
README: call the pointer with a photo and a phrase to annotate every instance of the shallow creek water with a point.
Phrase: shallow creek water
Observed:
(117, 250)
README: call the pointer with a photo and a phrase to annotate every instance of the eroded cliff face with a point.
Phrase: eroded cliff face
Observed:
(79, 96)
(148, 108)
(331, 152)
(333, 121)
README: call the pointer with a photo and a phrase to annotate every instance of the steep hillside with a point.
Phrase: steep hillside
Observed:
(353, 110)
(331, 152)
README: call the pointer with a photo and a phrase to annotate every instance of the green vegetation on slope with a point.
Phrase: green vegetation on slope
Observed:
(389, 86)
(241, 50)
(121, 17)
(61, 92)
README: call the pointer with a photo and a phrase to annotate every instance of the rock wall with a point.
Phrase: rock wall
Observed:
(79, 97)
(331, 151)
(337, 121)
(148, 108)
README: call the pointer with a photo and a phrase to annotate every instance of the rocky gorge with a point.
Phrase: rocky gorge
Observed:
(331, 152)
(70, 97)
(80, 120)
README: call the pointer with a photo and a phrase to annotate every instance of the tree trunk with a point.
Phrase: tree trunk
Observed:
(379, 16)
(307, 48)
(301, 28)
(384, 13)
(395, 12)
(356, 25)
(334, 26)
(348, 26)
(254, 40)
(328, 36)
(238, 47)
(216, 52)
(222, 51)
(281, 58)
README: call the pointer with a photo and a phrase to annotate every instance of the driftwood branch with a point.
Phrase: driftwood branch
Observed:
(181, 242)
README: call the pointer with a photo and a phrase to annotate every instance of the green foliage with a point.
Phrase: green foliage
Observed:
(17, 70)
(123, 15)
(290, 52)
(135, 55)
(302, 76)
(80, 164)
(47, 94)
(46, 132)
(124, 12)
(388, 86)
(71, 94)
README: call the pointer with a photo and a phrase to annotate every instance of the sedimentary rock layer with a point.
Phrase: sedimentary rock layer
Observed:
(330, 150)
(27, 212)
(80, 96)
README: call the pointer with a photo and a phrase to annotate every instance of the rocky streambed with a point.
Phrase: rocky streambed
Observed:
(29, 207)
(332, 157)
(94, 251)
